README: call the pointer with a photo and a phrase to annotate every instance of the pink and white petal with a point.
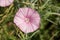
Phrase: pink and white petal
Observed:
(35, 27)
(20, 23)
(24, 11)
(23, 26)
(18, 20)
(35, 18)
(2, 3)
(29, 28)
(7, 2)
(20, 14)
(35, 15)
(30, 12)
(36, 22)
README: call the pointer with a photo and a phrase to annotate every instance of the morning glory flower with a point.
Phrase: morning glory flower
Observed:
(27, 20)
(4, 3)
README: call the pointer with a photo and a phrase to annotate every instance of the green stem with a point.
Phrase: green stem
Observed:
(43, 6)
(34, 34)
(26, 37)
(54, 35)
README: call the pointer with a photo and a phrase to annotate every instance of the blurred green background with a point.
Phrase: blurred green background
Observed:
(49, 11)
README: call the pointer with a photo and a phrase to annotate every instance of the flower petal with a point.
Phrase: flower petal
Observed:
(4, 3)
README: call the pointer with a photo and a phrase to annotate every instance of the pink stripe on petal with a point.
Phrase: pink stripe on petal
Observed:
(24, 11)
(36, 22)
(35, 15)
(30, 12)
(20, 14)
(29, 28)
(35, 27)
(23, 27)
(18, 21)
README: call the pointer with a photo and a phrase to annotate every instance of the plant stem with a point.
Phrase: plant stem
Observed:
(34, 34)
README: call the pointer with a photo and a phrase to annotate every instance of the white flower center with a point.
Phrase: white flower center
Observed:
(27, 20)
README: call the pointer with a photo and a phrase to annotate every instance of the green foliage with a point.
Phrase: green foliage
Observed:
(49, 11)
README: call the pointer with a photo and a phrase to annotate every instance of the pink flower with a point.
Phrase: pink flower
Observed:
(27, 20)
(4, 3)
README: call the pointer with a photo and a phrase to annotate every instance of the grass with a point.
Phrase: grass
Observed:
(49, 11)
